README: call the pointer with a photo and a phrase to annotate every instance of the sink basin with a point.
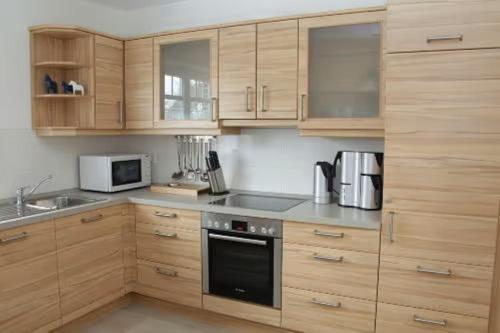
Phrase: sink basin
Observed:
(59, 202)
(10, 211)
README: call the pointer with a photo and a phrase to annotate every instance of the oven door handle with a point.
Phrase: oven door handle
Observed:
(238, 239)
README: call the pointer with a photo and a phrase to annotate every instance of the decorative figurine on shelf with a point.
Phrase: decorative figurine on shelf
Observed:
(67, 89)
(50, 85)
(77, 88)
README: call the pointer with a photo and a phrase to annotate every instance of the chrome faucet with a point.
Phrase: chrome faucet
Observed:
(21, 197)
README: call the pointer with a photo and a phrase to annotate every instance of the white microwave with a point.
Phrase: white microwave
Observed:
(114, 172)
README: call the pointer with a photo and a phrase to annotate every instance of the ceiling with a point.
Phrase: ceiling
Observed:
(133, 4)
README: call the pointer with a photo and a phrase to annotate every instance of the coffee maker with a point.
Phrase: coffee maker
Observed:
(360, 179)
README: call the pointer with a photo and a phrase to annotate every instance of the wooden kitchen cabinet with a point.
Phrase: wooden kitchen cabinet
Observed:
(429, 25)
(186, 80)
(109, 67)
(341, 82)
(29, 290)
(90, 260)
(238, 72)
(139, 83)
(277, 70)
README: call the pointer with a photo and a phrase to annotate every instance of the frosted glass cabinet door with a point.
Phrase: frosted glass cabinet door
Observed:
(340, 71)
(186, 80)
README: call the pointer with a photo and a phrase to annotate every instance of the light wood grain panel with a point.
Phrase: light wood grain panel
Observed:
(449, 238)
(301, 314)
(495, 295)
(29, 295)
(139, 83)
(467, 290)
(442, 127)
(169, 217)
(109, 67)
(397, 319)
(277, 60)
(237, 72)
(336, 237)
(89, 272)
(129, 250)
(182, 248)
(410, 23)
(261, 314)
(38, 239)
(355, 275)
(170, 283)
(74, 229)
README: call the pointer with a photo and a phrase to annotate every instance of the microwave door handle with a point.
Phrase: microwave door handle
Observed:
(238, 239)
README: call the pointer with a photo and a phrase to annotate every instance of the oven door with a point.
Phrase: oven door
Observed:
(242, 267)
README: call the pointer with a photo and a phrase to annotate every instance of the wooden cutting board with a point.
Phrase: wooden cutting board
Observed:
(182, 189)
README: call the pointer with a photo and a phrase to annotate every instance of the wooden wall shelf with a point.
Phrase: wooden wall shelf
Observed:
(61, 96)
(59, 64)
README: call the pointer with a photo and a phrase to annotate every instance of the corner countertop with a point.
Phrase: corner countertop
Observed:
(306, 212)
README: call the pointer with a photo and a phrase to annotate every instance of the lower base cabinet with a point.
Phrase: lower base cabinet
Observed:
(312, 312)
(399, 319)
(170, 283)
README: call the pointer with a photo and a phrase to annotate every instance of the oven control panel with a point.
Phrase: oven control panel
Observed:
(242, 224)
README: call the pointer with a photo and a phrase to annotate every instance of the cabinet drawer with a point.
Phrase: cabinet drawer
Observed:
(328, 236)
(167, 245)
(175, 284)
(442, 25)
(29, 295)
(312, 312)
(90, 225)
(439, 286)
(457, 239)
(26, 242)
(90, 272)
(346, 273)
(168, 217)
(395, 319)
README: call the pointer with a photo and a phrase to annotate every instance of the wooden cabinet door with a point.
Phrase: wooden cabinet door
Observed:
(109, 111)
(237, 72)
(139, 83)
(340, 72)
(277, 46)
(442, 147)
(186, 80)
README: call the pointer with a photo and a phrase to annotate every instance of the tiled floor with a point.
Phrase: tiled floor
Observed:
(144, 317)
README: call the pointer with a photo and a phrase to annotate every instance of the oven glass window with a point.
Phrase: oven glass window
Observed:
(126, 172)
(242, 271)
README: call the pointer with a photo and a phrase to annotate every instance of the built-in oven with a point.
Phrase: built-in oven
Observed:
(242, 258)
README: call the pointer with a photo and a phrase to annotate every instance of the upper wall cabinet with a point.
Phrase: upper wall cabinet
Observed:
(185, 80)
(340, 77)
(428, 25)
(109, 111)
(277, 70)
(139, 83)
(57, 56)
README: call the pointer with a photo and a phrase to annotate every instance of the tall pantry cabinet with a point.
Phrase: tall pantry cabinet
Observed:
(442, 168)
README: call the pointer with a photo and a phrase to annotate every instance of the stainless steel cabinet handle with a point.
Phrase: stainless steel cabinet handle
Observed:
(14, 238)
(262, 98)
(458, 37)
(301, 116)
(421, 269)
(329, 234)
(249, 109)
(391, 228)
(169, 272)
(418, 319)
(215, 109)
(331, 305)
(327, 258)
(238, 239)
(166, 215)
(120, 113)
(92, 219)
(168, 235)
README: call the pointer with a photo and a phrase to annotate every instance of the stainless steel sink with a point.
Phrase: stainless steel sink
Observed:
(32, 207)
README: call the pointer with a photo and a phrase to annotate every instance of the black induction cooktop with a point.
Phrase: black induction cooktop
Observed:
(259, 202)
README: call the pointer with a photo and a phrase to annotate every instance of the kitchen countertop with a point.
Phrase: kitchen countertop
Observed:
(306, 212)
